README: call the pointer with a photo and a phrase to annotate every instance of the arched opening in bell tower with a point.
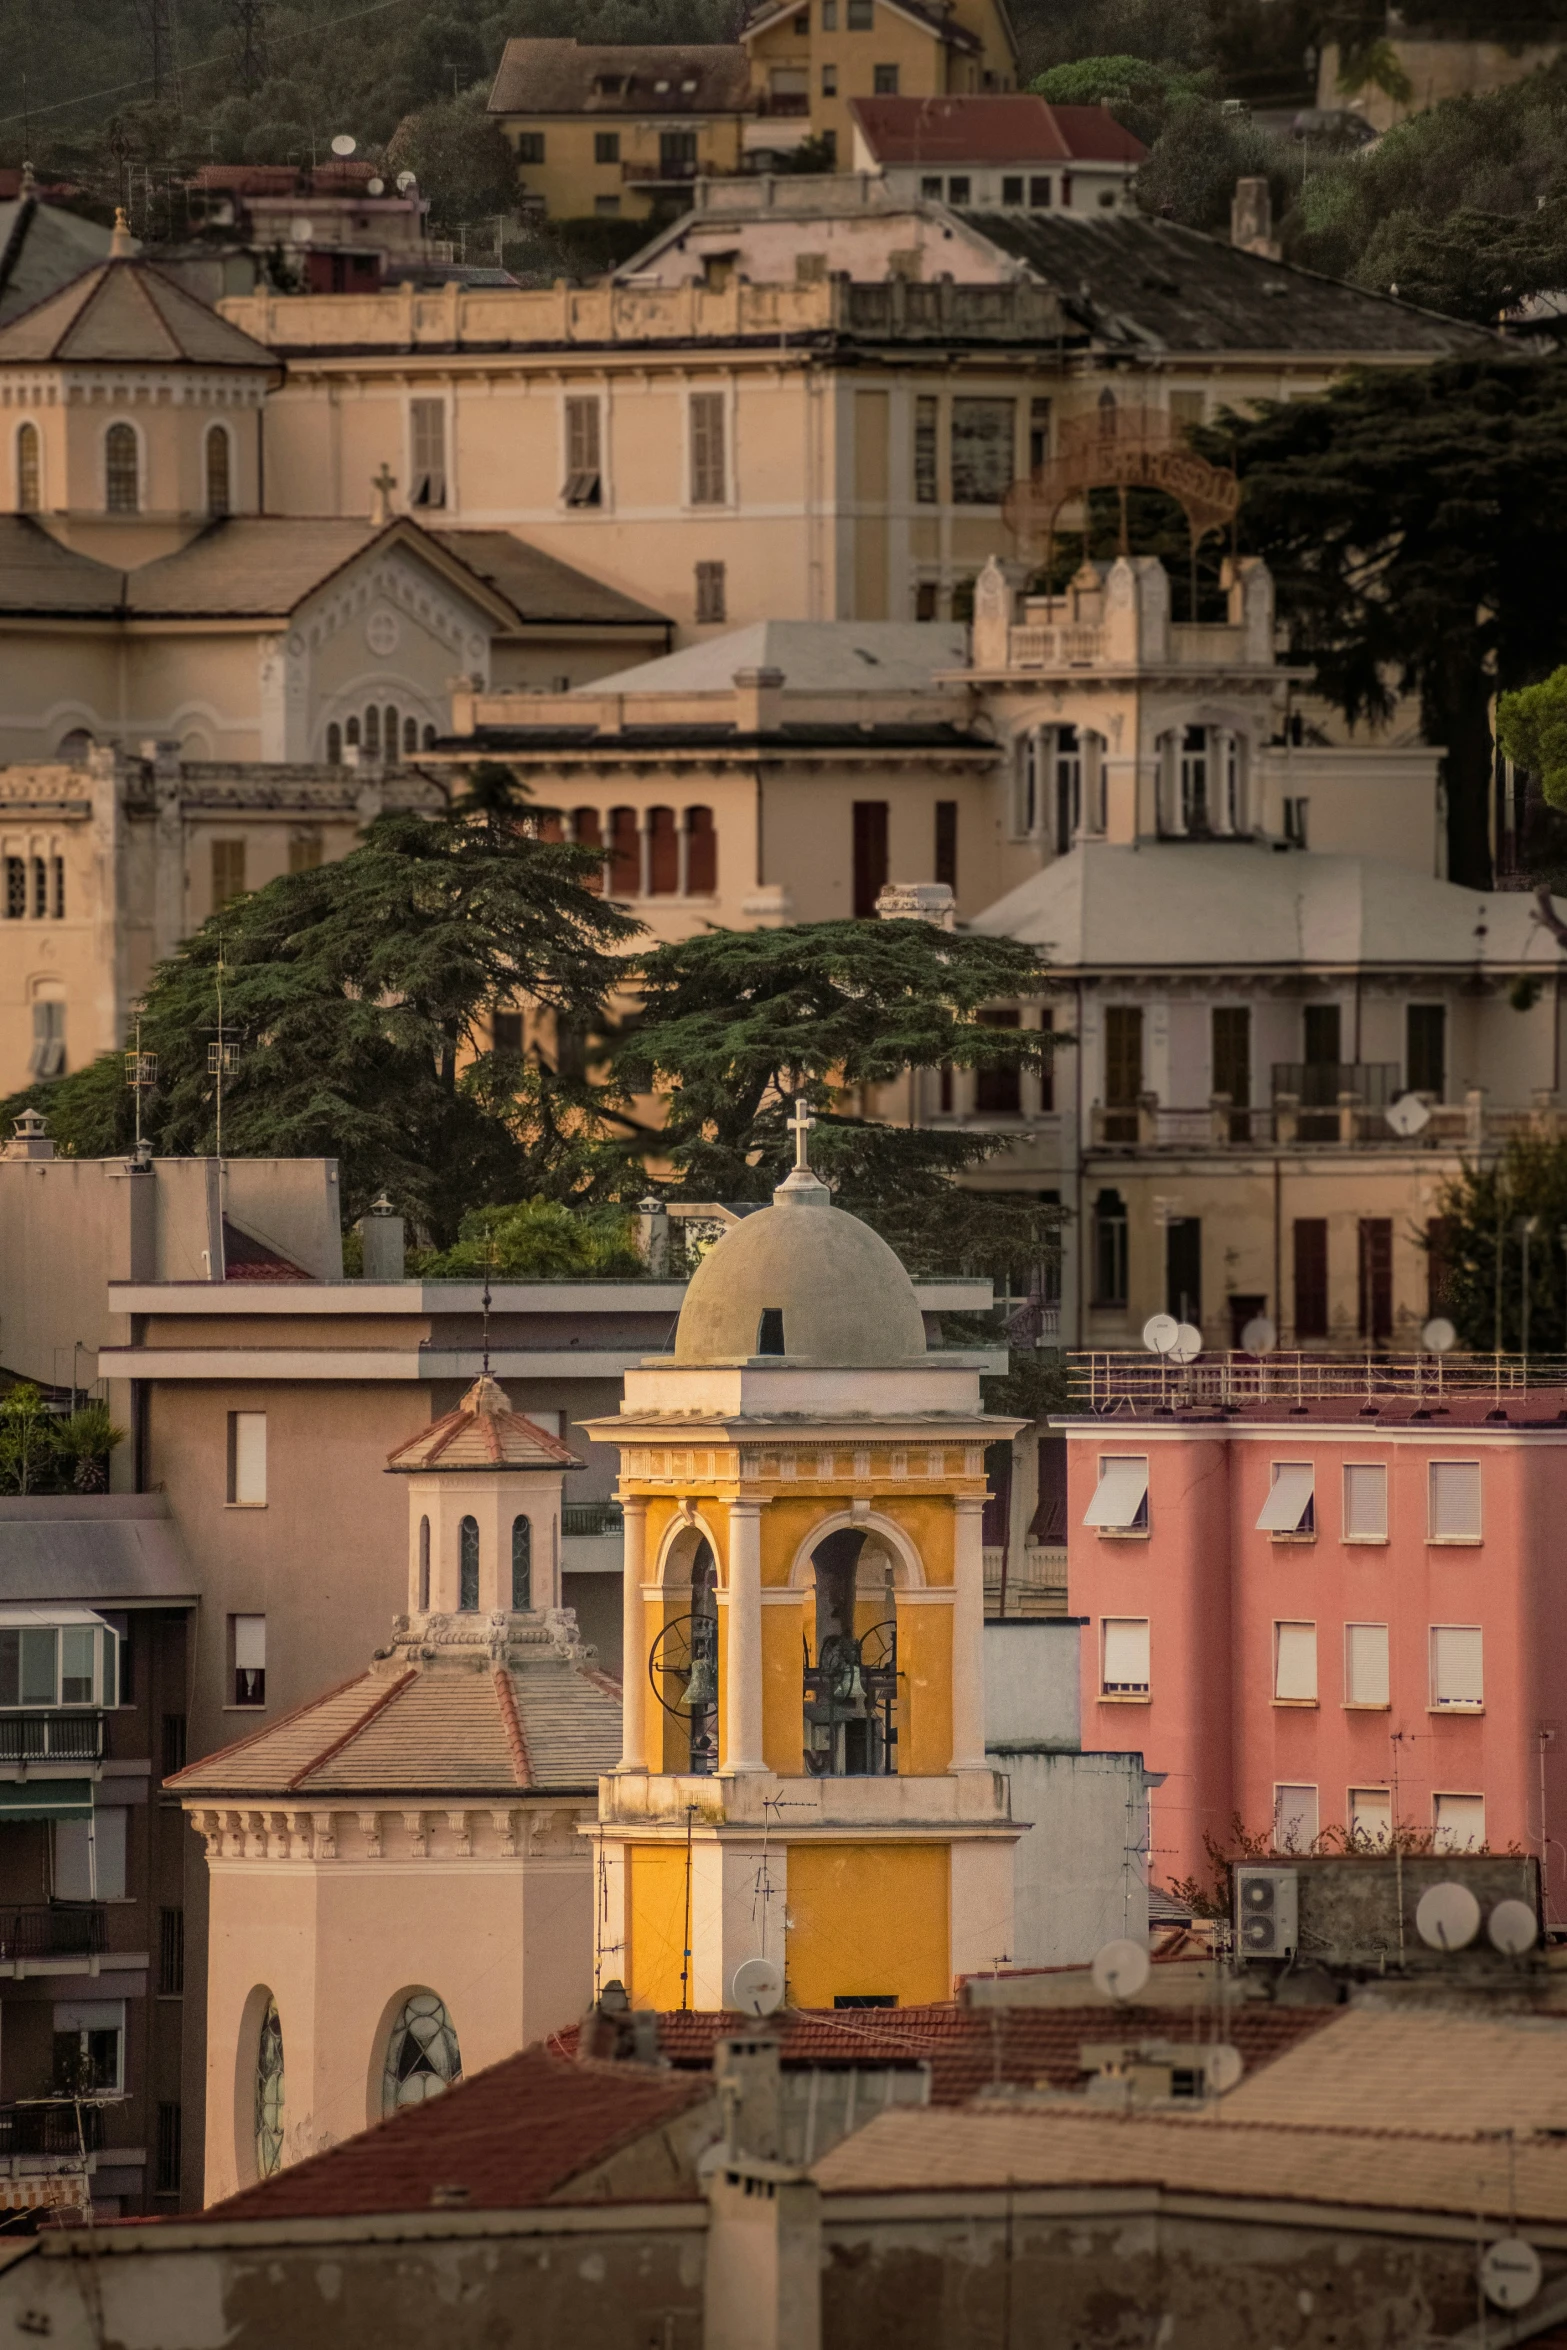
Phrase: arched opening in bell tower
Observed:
(851, 1660)
(683, 1662)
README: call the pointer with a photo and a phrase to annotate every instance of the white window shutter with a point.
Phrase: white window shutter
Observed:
(1117, 1500)
(1289, 1506)
(1294, 1818)
(1455, 1501)
(1457, 1665)
(1126, 1655)
(250, 1644)
(1365, 1501)
(1295, 1661)
(1365, 1664)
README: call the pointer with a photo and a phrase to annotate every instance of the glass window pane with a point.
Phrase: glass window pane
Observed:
(39, 1684)
(77, 1642)
(468, 1564)
(521, 1564)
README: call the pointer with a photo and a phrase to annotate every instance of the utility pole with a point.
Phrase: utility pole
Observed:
(249, 19)
(160, 38)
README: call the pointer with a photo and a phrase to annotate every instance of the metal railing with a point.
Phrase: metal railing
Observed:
(56, 1929)
(50, 2129)
(51, 1737)
(592, 1517)
(1101, 1381)
(1288, 1123)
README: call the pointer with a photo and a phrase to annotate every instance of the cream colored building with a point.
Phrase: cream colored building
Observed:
(398, 1891)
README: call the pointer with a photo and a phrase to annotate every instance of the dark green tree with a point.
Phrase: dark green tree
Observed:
(736, 1024)
(1482, 1249)
(360, 996)
(462, 161)
(1416, 525)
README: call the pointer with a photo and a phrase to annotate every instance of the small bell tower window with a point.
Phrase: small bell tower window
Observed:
(770, 1331)
(468, 1565)
(521, 1565)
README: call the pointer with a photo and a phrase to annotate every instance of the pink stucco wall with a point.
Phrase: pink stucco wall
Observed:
(1213, 1587)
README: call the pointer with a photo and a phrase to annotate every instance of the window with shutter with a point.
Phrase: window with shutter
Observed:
(217, 470)
(1457, 1668)
(711, 604)
(708, 476)
(427, 451)
(1295, 1663)
(1371, 1817)
(1291, 1504)
(47, 1058)
(1365, 1664)
(1126, 1658)
(983, 462)
(248, 1460)
(1123, 1055)
(248, 1641)
(926, 415)
(1459, 1821)
(1365, 1501)
(1454, 1503)
(1294, 1818)
(584, 464)
(1119, 1504)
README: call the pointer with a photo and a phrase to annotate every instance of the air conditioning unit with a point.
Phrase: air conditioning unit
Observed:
(1266, 1913)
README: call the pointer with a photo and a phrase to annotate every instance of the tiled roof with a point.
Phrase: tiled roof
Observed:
(929, 13)
(516, 2134)
(38, 575)
(424, 1721)
(1150, 286)
(482, 1433)
(540, 586)
(1442, 2074)
(914, 2150)
(1012, 128)
(565, 77)
(265, 564)
(127, 313)
(247, 1259)
(970, 2049)
(41, 249)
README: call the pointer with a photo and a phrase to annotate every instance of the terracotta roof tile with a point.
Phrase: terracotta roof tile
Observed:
(514, 2135)
(1438, 2072)
(482, 1433)
(566, 77)
(1011, 128)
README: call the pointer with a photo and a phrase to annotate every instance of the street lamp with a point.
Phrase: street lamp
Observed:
(1527, 1227)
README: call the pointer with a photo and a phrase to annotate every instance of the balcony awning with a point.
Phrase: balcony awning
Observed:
(1289, 1498)
(46, 1799)
(1118, 1498)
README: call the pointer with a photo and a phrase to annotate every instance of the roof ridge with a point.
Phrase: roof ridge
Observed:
(511, 1723)
(253, 1737)
(1220, 2120)
(393, 1690)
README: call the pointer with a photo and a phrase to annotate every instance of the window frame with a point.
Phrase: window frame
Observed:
(252, 1642)
(27, 434)
(584, 484)
(1128, 1693)
(1454, 1541)
(1139, 1528)
(442, 407)
(1356, 1840)
(715, 402)
(1441, 1795)
(240, 1470)
(1436, 1703)
(127, 424)
(1303, 1787)
(1369, 1705)
(1282, 1625)
(219, 432)
(1305, 1527)
(1372, 1541)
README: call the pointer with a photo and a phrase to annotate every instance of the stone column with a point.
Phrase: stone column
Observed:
(743, 1658)
(633, 1627)
(968, 1635)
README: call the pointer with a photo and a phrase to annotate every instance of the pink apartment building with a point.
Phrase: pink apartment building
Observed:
(1328, 1612)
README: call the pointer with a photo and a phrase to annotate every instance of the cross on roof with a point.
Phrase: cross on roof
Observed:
(800, 1126)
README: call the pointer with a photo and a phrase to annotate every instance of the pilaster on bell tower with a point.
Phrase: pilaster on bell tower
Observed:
(803, 1773)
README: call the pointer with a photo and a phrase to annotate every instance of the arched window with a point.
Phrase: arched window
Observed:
(468, 1564)
(269, 2093)
(424, 1566)
(410, 737)
(521, 1564)
(122, 477)
(422, 2055)
(372, 732)
(40, 888)
(429, 738)
(57, 880)
(1194, 785)
(589, 833)
(217, 470)
(351, 733)
(701, 853)
(29, 470)
(1069, 787)
(75, 746)
(334, 745)
(390, 731)
(625, 851)
(663, 853)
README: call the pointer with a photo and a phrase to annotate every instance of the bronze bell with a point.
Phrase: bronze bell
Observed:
(701, 1690)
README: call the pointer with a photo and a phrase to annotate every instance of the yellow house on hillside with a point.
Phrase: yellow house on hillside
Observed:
(614, 131)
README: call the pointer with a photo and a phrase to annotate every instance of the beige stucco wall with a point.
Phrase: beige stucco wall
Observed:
(1437, 69)
(504, 1939)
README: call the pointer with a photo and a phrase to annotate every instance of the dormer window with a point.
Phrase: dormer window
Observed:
(770, 1331)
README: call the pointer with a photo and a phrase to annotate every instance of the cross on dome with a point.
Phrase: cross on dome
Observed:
(800, 1127)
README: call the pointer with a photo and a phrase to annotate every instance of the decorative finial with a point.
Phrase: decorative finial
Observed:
(382, 485)
(489, 1253)
(121, 244)
(800, 1126)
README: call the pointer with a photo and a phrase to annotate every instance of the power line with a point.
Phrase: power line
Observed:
(218, 57)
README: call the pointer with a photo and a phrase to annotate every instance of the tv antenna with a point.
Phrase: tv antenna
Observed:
(141, 1075)
(223, 1052)
(249, 18)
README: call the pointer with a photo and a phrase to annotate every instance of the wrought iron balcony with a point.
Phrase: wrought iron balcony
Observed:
(592, 1517)
(55, 1929)
(50, 2129)
(663, 171)
(64, 1736)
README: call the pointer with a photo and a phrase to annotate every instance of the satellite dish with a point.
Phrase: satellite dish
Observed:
(1438, 1336)
(375, 187)
(301, 230)
(1188, 1343)
(1160, 1332)
(1510, 2273)
(1511, 1928)
(1409, 1115)
(1225, 2067)
(344, 144)
(1120, 1970)
(1448, 1917)
(758, 1986)
(1259, 1336)
(406, 180)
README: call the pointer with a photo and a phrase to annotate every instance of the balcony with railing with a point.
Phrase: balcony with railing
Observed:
(40, 1931)
(1118, 1379)
(58, 2128)
(1328, 1106)
(44, 1738)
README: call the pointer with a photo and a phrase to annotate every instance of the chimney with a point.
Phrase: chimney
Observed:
(756, 699)
(31, 1138)
(1251, 220)
(382, 1231)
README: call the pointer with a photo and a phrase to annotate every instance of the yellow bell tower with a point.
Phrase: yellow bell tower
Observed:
(803, 1775)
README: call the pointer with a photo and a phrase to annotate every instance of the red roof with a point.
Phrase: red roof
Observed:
(344, 175)
(1018, 128)
(969, 2049)
(515, 2135)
